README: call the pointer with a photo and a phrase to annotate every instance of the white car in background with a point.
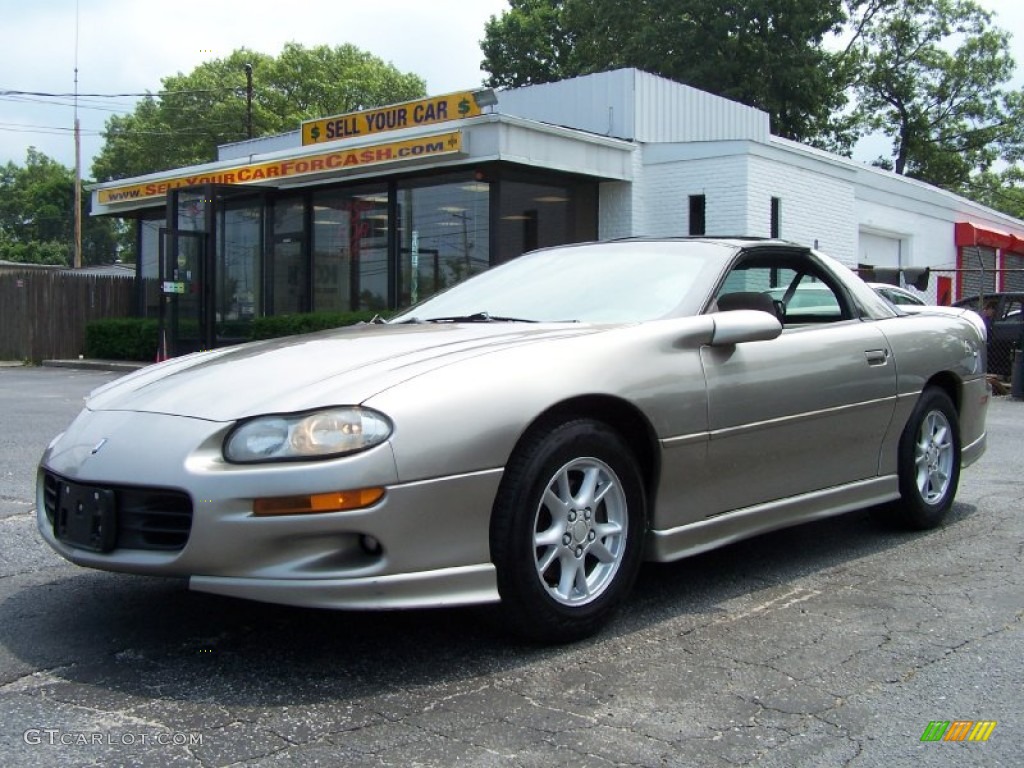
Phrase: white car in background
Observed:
(901, 297)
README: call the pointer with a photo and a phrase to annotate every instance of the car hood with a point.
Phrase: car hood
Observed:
(340, 367)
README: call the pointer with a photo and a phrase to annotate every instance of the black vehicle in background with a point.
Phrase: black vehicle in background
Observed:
(1005, 321)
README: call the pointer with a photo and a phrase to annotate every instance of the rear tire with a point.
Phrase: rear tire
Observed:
(929, 462)
(567, 531)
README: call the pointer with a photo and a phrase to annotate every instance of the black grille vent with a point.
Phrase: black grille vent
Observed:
(50, 496)
(147, 518)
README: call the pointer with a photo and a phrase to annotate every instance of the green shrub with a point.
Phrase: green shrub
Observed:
(122, 338)
(275, 326)
(48, 252)
(131, 338)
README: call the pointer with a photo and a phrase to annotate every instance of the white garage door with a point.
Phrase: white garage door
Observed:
(879, 250)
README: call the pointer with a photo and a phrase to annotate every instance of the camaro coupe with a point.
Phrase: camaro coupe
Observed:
(527, 437)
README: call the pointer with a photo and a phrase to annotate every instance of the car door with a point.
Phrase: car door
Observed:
(805, 411)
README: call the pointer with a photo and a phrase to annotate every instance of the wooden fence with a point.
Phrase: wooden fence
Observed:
(43, 313)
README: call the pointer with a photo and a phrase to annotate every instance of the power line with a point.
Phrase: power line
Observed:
(7, 92)
(207, 129)
(16, 100)
(49, 129)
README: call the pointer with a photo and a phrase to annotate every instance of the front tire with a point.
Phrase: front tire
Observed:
(929, 462)
(567, 531)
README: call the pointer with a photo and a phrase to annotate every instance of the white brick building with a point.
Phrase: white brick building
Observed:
(691, 143)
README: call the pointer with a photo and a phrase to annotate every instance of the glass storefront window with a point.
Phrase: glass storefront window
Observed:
(443, 235)
(537, 215)
(350, 249)
(192, 211)
(289, 272)
(369, 246)
(239, 267)
(149, 265)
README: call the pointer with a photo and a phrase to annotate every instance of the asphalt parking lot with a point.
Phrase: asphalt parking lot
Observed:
(832, 644)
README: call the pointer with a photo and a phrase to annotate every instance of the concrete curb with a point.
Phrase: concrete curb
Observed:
(117, 366)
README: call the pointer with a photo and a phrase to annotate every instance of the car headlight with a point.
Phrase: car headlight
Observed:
(319, 434)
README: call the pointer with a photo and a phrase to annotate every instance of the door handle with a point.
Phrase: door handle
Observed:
(877, 357)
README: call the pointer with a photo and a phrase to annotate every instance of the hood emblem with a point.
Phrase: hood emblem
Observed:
(96, 448)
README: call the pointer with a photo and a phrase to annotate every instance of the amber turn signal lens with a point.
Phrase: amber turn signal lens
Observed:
(337, 501)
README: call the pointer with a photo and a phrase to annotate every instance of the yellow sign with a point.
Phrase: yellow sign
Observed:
(411, 114)
(339, 159)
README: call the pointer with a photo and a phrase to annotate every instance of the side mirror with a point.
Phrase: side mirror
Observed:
(743, 325)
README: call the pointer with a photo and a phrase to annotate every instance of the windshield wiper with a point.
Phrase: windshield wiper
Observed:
(478, 317)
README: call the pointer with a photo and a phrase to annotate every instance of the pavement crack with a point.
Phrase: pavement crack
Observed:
(952, 650)
(457, 695)
(36, 679)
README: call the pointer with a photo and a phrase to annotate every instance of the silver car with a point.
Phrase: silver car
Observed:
(528, 437)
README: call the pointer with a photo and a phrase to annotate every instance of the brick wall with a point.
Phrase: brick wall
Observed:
(668, 186)
(621, 205)
(816, 208)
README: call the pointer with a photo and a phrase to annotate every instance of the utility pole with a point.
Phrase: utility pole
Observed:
(78, 191)
(78, 162)
(248, 100)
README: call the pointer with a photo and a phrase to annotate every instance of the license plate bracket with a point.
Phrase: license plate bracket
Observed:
(86, 517)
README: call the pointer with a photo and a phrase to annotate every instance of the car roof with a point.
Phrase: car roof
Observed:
(730, 244)
(736, 241)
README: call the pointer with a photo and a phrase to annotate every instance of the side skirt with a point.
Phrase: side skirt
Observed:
(694, 538)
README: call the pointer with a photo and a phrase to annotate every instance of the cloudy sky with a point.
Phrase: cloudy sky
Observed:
(127, 46)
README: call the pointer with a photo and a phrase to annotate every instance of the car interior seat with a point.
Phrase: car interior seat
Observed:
(762, 302)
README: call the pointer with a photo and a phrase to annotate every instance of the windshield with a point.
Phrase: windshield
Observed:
(593, 283)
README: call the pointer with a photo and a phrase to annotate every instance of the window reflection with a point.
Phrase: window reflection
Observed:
(538, 215)
(350, 254)
(290, 275)
(149, 264)
(443, 236)
(192, 211)
(239, 267)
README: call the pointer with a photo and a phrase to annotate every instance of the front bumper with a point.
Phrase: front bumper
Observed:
(423, 544)
(467, 585)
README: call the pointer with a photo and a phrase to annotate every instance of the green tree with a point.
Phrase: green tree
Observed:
(1003, 191)
(530, 43)
(933, 77)
(37, 203)
(768, 54)
(194, 113)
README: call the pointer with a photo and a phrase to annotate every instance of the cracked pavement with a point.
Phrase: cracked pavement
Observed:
(831, 644)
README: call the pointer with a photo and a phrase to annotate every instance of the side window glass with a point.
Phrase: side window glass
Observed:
(812, 301)
(757, 279)
(798, 294)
